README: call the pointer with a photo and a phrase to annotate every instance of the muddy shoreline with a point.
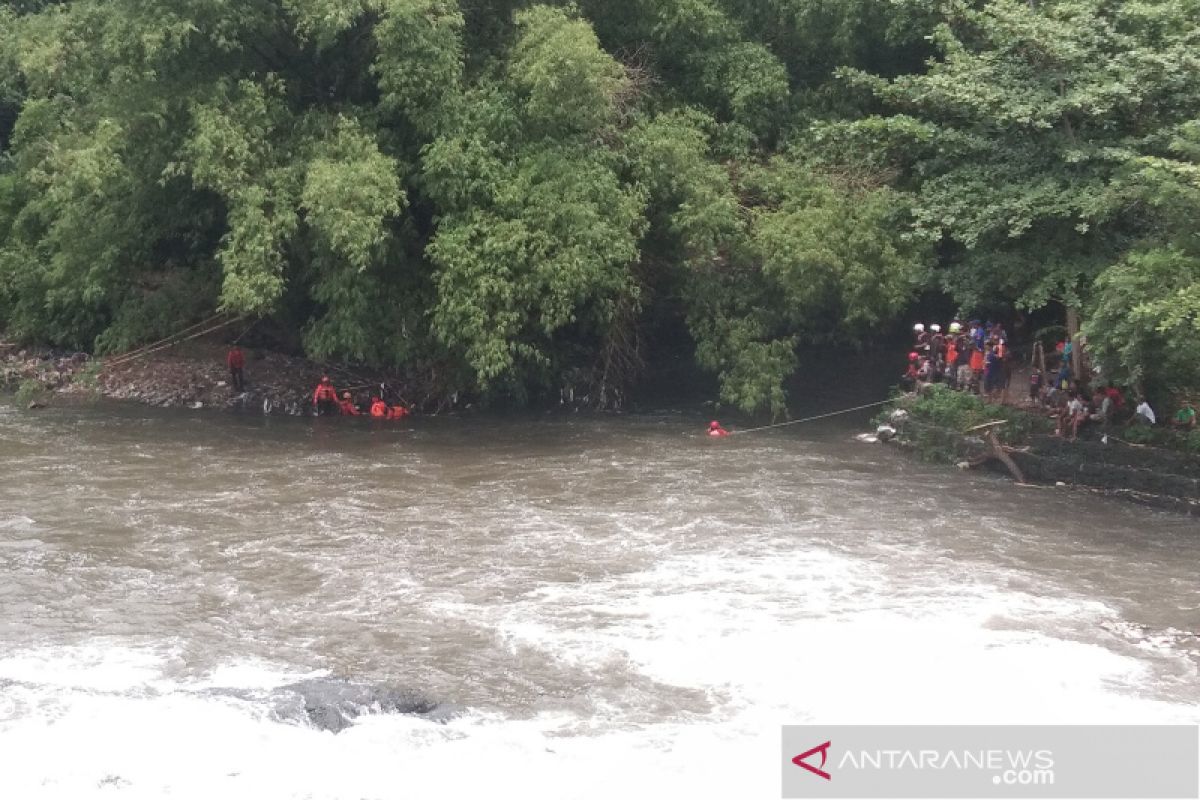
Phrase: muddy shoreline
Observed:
(192, 376)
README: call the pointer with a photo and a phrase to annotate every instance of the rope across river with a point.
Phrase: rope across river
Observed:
(811, 419)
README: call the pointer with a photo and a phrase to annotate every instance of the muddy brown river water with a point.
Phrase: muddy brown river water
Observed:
(206, 605)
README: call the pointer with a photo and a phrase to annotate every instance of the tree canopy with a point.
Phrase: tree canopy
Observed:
(514, 194)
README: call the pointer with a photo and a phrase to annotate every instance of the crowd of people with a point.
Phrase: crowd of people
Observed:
(976, 357)
(972, 357)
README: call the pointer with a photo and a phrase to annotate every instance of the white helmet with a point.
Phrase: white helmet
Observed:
(935, 328)
(919, 327)
(955, 327)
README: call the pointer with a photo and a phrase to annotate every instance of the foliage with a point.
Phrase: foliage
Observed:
(1020, 133)
(957, 411)
(512, 194)
(30, 390)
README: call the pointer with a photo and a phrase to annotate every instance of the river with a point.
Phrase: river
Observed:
(577, 606)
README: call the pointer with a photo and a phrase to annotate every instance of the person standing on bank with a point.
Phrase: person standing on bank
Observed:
(236, 361)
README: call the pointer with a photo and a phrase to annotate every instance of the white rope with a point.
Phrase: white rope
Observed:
(812, 419)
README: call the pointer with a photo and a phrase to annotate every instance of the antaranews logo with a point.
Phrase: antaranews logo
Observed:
(823, 749)
(990, 762)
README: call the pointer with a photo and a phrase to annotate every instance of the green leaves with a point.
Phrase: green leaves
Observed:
(420, 60)
(351, 190)
(564, 81)
(520, 193)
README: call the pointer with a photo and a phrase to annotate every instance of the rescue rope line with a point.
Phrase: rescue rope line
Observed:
(166, 344)
(139, 350)
(812, 419)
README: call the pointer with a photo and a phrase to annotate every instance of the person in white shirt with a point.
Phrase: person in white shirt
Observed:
(1144, 413)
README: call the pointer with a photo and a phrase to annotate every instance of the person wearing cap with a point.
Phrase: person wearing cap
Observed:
(715, 429)
(347, 406)
(325, 399)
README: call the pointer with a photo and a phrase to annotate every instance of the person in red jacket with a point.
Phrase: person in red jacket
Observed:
(325, 399)
(236, 362)
(379, 408)
(715, 429)
(347, 405)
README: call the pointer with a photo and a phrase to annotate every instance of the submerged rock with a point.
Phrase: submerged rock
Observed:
(333, 705)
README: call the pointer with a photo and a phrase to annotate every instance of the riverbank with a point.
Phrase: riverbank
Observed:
(192, 375)
(945, 426)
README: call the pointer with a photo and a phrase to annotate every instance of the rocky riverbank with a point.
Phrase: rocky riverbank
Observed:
(942, 426)
(190, 376)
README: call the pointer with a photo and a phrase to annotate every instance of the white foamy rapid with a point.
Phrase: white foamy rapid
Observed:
(600, 627)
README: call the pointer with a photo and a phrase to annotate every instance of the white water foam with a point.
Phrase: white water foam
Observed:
(786, 637)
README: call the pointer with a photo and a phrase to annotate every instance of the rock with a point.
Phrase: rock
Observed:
(34, 404)
(196, 405)
(885, 433)
(333, 705)
(898, 416)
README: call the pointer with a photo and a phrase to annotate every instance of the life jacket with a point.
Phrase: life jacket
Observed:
(236, 359)
(717, 432)
(977, 360)
(398, 412)
(951, 353)
(348, 408)
(379, 409)
(325, 393)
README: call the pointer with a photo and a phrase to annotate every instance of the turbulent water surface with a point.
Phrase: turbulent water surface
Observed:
(197, 605)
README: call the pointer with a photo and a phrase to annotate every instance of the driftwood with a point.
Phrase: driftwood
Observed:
(999, 451)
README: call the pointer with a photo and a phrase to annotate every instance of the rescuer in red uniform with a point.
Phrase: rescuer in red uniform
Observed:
(236, 361)
(325, 399)
(347, 405)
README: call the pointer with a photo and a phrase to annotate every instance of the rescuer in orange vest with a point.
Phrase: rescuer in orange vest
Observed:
(347, 405)
(325, 399)
(379, 408)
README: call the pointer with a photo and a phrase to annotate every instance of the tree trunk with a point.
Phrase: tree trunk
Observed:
(1073, 338)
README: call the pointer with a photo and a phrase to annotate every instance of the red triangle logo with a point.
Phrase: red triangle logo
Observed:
(823, 749)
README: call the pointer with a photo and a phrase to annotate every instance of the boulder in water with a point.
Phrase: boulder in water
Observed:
(332, 705)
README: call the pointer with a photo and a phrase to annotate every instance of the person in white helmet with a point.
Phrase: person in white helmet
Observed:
(937, 342)
(922, 343)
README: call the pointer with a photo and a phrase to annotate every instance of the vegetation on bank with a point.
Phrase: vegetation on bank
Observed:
(517, 196)
(944, 417)
(940, 419)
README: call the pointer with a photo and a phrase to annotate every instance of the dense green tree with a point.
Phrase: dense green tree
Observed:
(508, 193)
